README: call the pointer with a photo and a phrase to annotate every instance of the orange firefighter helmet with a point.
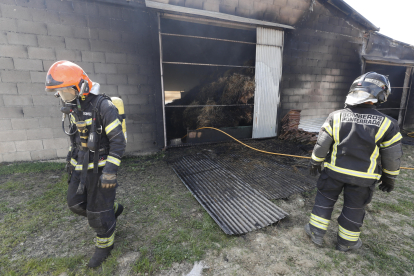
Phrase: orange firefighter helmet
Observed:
(66, 78)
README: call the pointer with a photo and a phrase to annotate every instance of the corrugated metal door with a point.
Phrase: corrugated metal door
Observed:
(269, 51)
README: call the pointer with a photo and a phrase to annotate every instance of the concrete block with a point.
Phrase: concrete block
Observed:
(11, 112)
(43, 154)
(25, 123)
(146, 89)
(13, 11)
(109, 35)
(38, 4)
(137, 99)
(8, 24)
(110, 90)
(3, 38)
(52, 122)
(56, 143)
(195, 4)
(28, 64)
(38, 77)
(87, 33)
(137, 79)
(62, 153)
(127, 68)
(59, 30)
(41, 111)
(72, 19)
(15, 76)
(32, 88)
(16, 156)
(46, 100)
(6, 63)
(98, 22)
(5, 125)
(41, 53)
(77, 43)
(13, 51)
(115, 58)
(58, 133)
(99, 78)
(71, 55)
(45, 16)
(89, 56)
(118, 25)
(51, 41)
(22, 39)
(39, 133)
(86, 8)
(105, 68)
(212, 6)
(13, 135)
(87, 67)
(16, 100)
(31, 27)
(60, 6)
(128, 89)
(116, 79)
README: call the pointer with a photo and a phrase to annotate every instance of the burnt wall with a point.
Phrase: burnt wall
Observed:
(385, 47)
(116, 45)
(320, 61)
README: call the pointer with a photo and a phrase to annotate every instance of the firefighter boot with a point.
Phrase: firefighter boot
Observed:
(118, 209)
(315, 237)
(344, 248)
(100, 256)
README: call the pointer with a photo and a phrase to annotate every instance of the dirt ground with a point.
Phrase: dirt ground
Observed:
(164, 231)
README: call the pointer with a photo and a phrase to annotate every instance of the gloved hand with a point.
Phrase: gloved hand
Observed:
(68, 167)
(314, 168)
(387, 184)
(108, 180)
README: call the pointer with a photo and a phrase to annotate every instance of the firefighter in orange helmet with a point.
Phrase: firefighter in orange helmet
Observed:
(97, 146)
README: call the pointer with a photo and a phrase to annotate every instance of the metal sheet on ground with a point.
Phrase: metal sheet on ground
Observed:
(233, 204)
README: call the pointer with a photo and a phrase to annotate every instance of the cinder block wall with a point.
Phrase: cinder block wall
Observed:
(321, 60)
(116, 45)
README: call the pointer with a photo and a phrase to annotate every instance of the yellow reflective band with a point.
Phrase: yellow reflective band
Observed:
(73, 162)
(317, 159)
(90, 165)
(70, 148)
(353, 173)
(115, 207)
(394, 139)
(373, 159)
(348, 235)
(105, 242)
(320, 219)
(72, 118)
(336, 125)
(391, 172)
(383, 128)
(112, 125)
(114, 160)
(318, 225)
(328, 128)
(88, 122)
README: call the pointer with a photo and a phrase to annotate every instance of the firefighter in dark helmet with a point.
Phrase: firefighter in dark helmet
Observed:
(97, 146)
(359, 147)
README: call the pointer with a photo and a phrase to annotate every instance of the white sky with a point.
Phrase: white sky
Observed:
(393, 17)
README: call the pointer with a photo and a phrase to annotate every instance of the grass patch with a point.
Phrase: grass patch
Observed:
(31, 167)
(403, 207)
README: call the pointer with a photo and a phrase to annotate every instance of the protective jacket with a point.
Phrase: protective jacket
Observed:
(363, 144)
(112, 143)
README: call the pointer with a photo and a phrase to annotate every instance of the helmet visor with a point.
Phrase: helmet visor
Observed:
(67, 94)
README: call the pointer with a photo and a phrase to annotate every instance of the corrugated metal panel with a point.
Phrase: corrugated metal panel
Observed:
(269, 52)
(312, 125)
(233, 204)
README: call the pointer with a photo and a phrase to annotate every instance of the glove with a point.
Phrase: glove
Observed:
(387, 184)
(314, 168)
(108, 180)
(68, 168)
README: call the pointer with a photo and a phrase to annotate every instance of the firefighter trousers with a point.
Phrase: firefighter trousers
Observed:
(97, 204)
(353, 211)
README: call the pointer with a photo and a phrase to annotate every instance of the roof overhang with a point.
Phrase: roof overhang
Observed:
(388, 61)
(352, 13)
(210, 17)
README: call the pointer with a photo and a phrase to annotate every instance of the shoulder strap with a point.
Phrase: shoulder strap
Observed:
(96, 119)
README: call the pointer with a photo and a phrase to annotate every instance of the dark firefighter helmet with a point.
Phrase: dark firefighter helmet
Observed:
(371, 87)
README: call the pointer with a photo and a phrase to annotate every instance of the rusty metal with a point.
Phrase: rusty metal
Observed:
(232, 203)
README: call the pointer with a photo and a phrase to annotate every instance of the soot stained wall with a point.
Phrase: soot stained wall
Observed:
(320, 61)
(116, 45)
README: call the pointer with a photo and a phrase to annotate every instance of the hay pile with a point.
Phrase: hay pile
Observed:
(234, 87)
(291, 132)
